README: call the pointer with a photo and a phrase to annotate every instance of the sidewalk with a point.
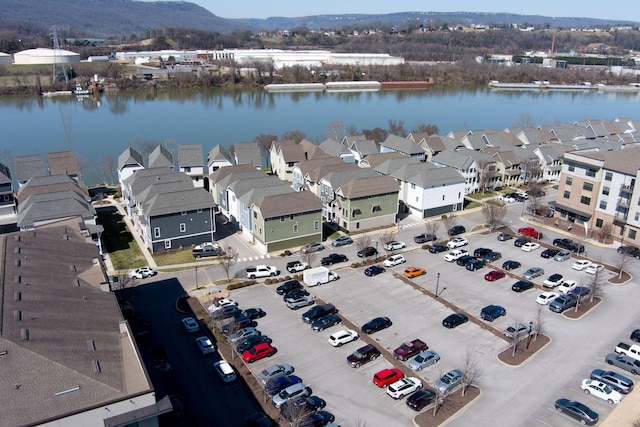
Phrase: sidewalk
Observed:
(575, 232)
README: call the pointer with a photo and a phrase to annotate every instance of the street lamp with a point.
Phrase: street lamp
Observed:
(197, 286)
(437, 283)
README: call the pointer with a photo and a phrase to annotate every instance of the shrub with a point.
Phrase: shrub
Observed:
(268, 281)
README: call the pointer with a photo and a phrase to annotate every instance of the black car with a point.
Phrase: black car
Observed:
(578, 411)
(377, 324)
(226, 312)
(474, 264)
(374, 270)
(464, 259)
(288, 286)
(326, 321)
(367, 252)
(293, 409)
(520, 241)
(333, 259)
(249, 342)
(254, 313)
(425, 237)
(521, 286)
(492, 256)
(456, 229)
(318, 311)
(421, 399)
(294, 294)
(492, 312)
(629, 250)
(504, 236)
(635, 335)
(237, 324)
(316, 419)
(454, 320)
(549, 253)
(510, 265)
(480, 252)
(569, 245)
(436, 249)
(363, 355)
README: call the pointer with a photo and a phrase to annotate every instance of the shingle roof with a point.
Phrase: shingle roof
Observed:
(29, 167)
(625, 161)
(333, 147)
(402, 145)
(250, 197)
(460, 161)
(53, 206)
(160, 157)
(339, 178)
(190, 155)
(306, 166)
(227, 170)
(368, 186)
(427, 175)
(129, 157)
(143, 178)
(51, 184)
(247, 153)
(219, 153)
(62, 163)
(393, 164)
(316, 174)
(276, 205)
(365, 147)
(375, 160)
(165, 203)
(350, 139)
(5, 175)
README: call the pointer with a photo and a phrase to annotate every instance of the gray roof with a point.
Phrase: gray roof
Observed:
(160, 157)
(427, 175)
(368, 186)
(457, 160)
(221, 173)
(57, 205)
(251, 196)
(29, 167)
(393, 164)
(365, 147)
(350, 139)
(143, 178)
(190, 155)
(247, 153)
(319, 172)
(72, 324)
(62, 163)
(333, 147)
(129, 157)
(375, 160)
(51, 184)
(240, 185)
(339, 178)
(219, 153)
(474, 141)
(5, 175)
(401, 145)
(306, 166)
(225, 181)
(170, 202)
(276, 205)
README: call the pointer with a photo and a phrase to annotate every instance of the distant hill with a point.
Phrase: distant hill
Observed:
(111, 17)
(101, 18)
(397, 19)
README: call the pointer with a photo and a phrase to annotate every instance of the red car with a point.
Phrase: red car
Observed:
(258, 352)
(530, 232)
(387, 376)
(494, 275)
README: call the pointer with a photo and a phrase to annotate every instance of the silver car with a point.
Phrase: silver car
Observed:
(562, 256)
(449, 381)
(290, 393)
(274, 371)
(242, 334)
(302, 301)
(533, 272)
(423, 359)
(342, 241)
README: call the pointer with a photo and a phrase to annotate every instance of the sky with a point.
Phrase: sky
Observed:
(621, 9)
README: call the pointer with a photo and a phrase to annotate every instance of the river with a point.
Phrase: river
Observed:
(95, 130)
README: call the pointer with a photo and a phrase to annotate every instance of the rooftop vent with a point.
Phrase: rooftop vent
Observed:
(92, 345)
(17, 279)
(76, 283)
(67, 391)
(24, 334)
(65, 237)
(33, 233)
(16, 250)
(96, 367)
(17, 315)
(72, 268)
(17, 262)
(17, 296)
(16, 238)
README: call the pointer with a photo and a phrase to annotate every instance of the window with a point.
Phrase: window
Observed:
(569, 180)
(585, 200)
(255, 215)
(608, 176)
(587, 186)
(316, 224)
(605, 190)
(599, 222)
(291, 217)
(591, 172)
(637, 216)
(295, 227)
(183, 213)
(572, 168)
(183, 227)
(355, 212)
(156, 232)
(199, 211)
(413, 186)
(603, 204)
(187, 169)
(376, 208)
(357, 225)
(443, 197)
(632, 234)
(167, 244)
(282, 219)
(566, 194)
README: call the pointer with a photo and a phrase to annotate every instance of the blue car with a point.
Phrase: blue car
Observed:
(277, 384)
(374, 270)
(492, 312)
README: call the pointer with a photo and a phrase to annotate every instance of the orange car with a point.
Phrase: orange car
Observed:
(414, 272)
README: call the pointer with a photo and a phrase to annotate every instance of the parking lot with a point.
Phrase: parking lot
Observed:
(522, 396)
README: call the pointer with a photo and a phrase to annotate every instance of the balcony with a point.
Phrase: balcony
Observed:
(620, 219)
(624, 203)
(626, 188)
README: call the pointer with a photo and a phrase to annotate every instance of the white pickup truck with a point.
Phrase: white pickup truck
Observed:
(261, 271)
(631, 350)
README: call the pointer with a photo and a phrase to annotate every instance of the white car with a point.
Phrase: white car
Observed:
(581, 264)
(205, 345)
(594, 268)
(567, 286)
(394, 260)
(337, 339)
(404, 387)
(455, 254)
(221, 303)
(601, 390)
(546, 297)
(553, 281)
(225, 371)
(530, 246)
(457, 242)
(141, 273)
(394, 246)
(190, 324)
(507, 198)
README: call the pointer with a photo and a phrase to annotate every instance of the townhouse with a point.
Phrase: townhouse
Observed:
(191, 162)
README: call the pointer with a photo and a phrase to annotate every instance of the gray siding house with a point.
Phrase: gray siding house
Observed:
(7, 198)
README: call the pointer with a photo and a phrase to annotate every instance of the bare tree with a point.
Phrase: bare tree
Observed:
(424, 128)
(295, 135)
(362, 242)
(294, 413)
(264, 141)
(228, 260)
(472, 370)
(143, 147)
(441, 401)
(515, 340)
(387, 237)
(309, 257)
(431, 227)
(487, 172)
(337, 130)
(535, 198)
(377, 134)
(606, 232)
(595, 284)
(359, 422)
(396, 127)
(449, 221)
(530, 168)
(538, 324)
(623, 259)
(494, 212)
(524, 120)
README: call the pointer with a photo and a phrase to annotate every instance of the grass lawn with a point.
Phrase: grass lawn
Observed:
(468, 204)
(122, 247)
(480, 196)
(179, 257)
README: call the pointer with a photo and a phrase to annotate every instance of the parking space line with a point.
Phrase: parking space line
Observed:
(544, 423)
